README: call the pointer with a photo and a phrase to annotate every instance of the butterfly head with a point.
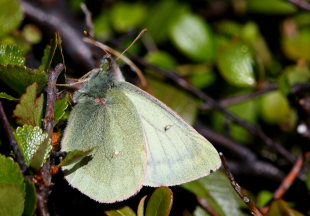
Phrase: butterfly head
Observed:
(100, 80)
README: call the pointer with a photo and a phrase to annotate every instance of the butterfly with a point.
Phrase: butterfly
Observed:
(136, 140)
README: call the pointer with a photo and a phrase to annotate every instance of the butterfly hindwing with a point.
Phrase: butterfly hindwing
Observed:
(116, 168)
(177, 153)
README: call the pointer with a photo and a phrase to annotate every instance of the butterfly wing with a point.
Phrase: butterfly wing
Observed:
(116, 168)
(177, 153)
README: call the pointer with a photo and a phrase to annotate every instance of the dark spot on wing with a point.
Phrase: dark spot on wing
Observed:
(167, 127)
(211, 171)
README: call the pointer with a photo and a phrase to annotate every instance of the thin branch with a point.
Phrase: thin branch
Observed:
(288, 181)
(254, 129)
(88, 20)
(257, 169)
(301, 4)
(238, 189)
(72, 38)
(238, 99)
(45, 172)
(252, 165)
(7, 127)
(51, 99)
(236, 149)
(300, 87)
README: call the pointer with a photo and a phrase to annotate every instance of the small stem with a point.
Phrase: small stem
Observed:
(238, 189)
(7, 127)
(45, 172)
(88, 19)
(288, 180)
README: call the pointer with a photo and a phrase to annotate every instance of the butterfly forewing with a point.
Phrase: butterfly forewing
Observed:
(116, 168)
(176, 152)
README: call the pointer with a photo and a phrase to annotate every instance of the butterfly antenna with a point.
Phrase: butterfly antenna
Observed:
(89, 39)
(133, 42)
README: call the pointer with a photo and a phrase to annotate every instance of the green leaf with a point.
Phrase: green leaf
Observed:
(30, 109)
(296, 46)
(11, 16)
(193, 37)
(140, 211)
(160, 202)
(263, 198)
(126, 16)
(235, 63)
(161, 59)
(19, 77)
(32, 34)
(275, 107)
(42, 154)
(30, 199)
(297, 74)
(200, 75)
(52, 53)
(280, 208)
(11, 54)
(308, 179)
(102, 28)
(218, 192)
(47, 58)
(237, 132)
(17, 39)
(270, 7)
(29, 139)
(11, 200)
(10, 173)
(6, 96)
(74, 156)
(124, 211)
(228, 27)
(163, 12)
(60, 107)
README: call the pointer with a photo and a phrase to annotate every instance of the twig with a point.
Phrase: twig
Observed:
(257, 169)
(89, 21)
(45, 172)
(300, 87)
(252, 165)
(254, 129)
(301, 4)
(238, 189)
(72, 38)
(51, 99)
(236, 149)
(288, 181)
(7, 127)
(271, 87)
(238, 99)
